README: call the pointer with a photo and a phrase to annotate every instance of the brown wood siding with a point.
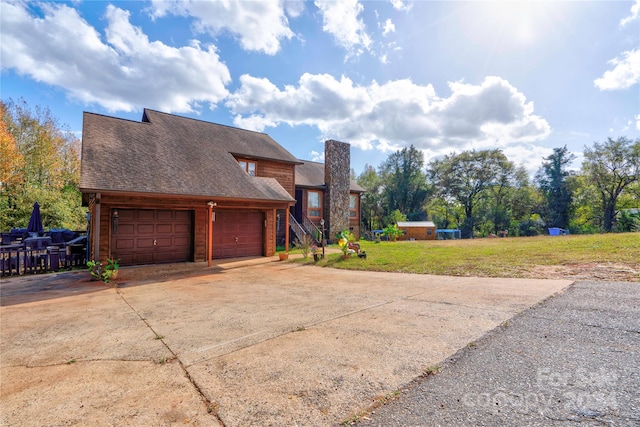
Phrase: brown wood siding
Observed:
(200, 218)
(418, 233)
(354, 227)
(270, 230)
(200, 230)
(105, 231)
(283, 173)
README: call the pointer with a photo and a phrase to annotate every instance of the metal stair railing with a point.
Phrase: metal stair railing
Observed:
(312, 229)
(308, 229)
(295, 226)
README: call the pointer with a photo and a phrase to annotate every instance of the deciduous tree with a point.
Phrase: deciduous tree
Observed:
(371, 207)
(42, 164)
(404, 181)
(465, 177)
(11, 159)
(552, 180)
(611, 167)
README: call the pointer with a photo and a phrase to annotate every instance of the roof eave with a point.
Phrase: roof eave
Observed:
(253, 157)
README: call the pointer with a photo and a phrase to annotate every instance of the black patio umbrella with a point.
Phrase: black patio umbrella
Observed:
(35, 222)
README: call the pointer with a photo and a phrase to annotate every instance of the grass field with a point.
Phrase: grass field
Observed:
(601, 256)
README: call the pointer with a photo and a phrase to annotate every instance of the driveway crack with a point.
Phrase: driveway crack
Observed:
(212, 407)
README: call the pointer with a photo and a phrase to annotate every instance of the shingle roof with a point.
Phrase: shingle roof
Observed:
(168, 154)
(311, 174)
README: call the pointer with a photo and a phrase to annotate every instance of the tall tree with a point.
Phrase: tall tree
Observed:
(498, 196)
(45, 164)
(525, 198)
(552, 180)
(444, 212)
(611, 167)
(371, 209)
(11, 172)
(465, 177)
(404, 181)
(586, 216)
(11, 159)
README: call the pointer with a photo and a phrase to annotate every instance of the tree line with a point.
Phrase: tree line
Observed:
(482, 192)
(479, 192)
(39, 162)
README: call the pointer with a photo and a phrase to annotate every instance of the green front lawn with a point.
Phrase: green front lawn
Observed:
(498, 257)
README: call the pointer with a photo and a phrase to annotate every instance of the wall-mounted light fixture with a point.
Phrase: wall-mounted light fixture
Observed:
(114, 221)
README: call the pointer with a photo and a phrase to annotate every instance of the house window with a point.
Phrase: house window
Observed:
(353, 206)
(248, 166)
(314, 207)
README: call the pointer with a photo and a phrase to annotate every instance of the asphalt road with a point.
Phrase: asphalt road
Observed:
(572, 360)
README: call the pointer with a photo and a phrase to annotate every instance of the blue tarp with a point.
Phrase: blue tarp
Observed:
(555, 231)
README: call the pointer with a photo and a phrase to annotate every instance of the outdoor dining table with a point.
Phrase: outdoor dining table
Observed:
(37, 243)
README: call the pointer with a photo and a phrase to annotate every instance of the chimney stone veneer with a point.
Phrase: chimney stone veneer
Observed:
(337, 162)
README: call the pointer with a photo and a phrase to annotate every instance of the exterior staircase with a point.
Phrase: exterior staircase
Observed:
(307, 228)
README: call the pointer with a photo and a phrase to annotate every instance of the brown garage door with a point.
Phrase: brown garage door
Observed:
(147, 236)
(237, 234)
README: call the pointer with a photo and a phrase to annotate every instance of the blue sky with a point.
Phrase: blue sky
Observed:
(444, 76)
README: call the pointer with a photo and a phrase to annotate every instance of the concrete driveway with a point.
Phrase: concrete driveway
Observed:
(267, 344)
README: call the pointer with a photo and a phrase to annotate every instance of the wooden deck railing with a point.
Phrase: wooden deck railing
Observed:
(17, 260)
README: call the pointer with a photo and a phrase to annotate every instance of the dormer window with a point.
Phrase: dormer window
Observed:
(248, 166)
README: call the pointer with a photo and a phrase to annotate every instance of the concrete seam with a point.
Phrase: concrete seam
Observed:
(212, 407)
(306, 326)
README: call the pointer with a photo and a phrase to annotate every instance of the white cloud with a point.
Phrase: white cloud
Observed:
(394, 114)
(528, 155)
(388, 27)
(401, 5)
(626, 72)
(317, 157)
(124, 73)
(294, 8)
(259, 25)
(340, 19)
(635, 11)
(638, 121)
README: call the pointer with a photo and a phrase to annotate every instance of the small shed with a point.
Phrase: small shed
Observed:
(417, 230)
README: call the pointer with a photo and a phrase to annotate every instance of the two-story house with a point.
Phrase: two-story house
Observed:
(175, 189)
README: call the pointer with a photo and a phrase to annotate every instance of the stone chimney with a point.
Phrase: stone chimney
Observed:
(337, 162)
